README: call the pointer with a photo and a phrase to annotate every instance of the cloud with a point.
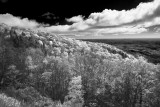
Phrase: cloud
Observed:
(79, 26)
(58, 28)
(49, 16)
(3, 1)
(26, 23)
(134, 21)
(142, 13)
(17, 21)
(121, 30)
(155, 21)
(76, 19)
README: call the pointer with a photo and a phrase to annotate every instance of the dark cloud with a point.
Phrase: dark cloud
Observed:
(3, 1)
(50, 16)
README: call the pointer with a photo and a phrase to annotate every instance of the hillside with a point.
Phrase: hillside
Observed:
(148, 48)
(40, 69)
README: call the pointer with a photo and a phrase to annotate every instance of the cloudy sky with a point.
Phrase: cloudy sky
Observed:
(94, 19)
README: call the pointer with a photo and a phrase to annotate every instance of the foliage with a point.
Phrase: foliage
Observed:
(6, 101)
(75, 94)
(41, 69)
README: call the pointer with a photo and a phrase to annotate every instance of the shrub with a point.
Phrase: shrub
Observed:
(6, 101)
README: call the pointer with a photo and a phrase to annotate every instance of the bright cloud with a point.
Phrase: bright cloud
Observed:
(122, 30)
(155, 21)
(76, 19)
(17, 21)
(26, 23)
(132, 21)
(58, 28)
(142, 13)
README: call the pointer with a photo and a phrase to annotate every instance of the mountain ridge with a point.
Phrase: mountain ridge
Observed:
(26, 37)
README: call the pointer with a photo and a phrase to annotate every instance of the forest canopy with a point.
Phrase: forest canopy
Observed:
(40, 69)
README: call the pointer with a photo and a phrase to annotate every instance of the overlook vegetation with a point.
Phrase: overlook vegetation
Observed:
(148, 48)
(39, 69)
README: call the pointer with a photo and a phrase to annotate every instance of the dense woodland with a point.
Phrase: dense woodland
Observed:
(39, 69)
(148, 48)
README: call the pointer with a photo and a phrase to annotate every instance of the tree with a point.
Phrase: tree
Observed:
(75, 94)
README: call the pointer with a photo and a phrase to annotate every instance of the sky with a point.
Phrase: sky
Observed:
(81, 19)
